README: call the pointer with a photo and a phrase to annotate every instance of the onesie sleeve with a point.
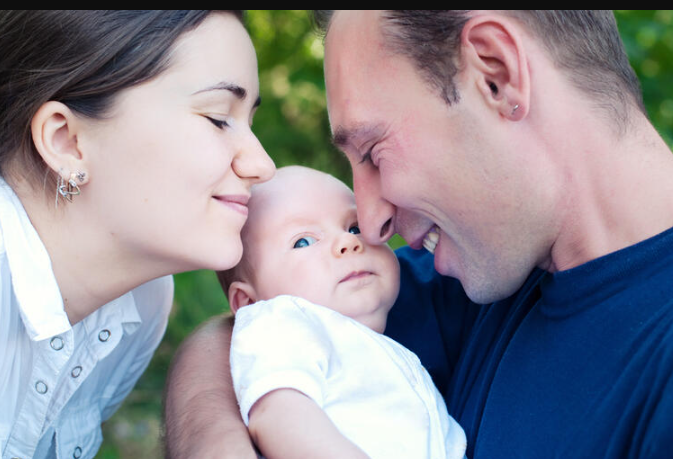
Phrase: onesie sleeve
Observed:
(276, 344)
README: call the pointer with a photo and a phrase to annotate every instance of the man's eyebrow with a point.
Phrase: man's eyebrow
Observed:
(235, 89)
(343, 137)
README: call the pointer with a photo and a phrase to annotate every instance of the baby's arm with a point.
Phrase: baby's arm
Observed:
(287, 424)
(280, 359)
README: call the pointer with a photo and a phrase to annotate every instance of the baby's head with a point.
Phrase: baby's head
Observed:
(302, 238)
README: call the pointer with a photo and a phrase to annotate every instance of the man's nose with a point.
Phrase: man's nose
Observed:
(376, 215)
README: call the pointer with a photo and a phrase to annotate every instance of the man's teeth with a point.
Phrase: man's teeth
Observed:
(430, 240)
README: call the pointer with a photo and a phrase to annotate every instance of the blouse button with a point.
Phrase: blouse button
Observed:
(76, 371)
(41, 387)
(77, 453)
(104, 335)
(56, 343)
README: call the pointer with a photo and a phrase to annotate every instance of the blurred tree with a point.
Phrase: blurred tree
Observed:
(648, 38)
(292, 124)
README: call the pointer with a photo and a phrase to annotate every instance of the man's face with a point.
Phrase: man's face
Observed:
(419, 163)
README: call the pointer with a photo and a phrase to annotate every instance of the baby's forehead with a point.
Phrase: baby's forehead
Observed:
(298, 194)
(296, 181)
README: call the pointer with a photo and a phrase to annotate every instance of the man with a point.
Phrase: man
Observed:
(515, 146)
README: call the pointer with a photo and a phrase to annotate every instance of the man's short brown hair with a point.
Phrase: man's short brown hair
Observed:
(584, 44)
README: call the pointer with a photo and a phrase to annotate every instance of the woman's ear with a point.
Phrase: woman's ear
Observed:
(54, 129)
(241, 294)
(493, 48)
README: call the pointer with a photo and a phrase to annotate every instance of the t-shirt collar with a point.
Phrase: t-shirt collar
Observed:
(565, 293)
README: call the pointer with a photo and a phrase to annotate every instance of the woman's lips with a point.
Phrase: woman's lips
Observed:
(238, 203)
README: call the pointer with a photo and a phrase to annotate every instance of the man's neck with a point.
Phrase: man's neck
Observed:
(620, 192)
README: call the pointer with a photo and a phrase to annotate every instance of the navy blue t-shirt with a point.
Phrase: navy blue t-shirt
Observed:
(576, 364)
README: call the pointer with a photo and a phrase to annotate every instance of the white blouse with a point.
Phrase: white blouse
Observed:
(59, 382)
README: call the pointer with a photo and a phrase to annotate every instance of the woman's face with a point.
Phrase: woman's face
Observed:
(170, 171)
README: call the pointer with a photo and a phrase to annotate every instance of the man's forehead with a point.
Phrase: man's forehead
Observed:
(351, 53)
(350, 32)
(353, 21)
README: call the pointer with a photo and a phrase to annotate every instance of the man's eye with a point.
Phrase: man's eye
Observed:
(367, 158)
(304, 242)
(354, 229)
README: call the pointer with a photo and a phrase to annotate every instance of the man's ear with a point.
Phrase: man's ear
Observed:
(54, 129)
(241, 294)
(492, 46)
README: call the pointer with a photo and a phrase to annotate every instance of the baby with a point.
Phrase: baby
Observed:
(313, 375)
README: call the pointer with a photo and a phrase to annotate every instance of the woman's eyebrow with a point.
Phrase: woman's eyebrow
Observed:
(238, 91)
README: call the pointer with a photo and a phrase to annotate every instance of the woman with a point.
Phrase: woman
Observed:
(126, 155)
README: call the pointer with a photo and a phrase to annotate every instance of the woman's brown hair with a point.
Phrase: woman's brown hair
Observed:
(80, 58)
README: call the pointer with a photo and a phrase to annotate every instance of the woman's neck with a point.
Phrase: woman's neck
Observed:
(90, 268)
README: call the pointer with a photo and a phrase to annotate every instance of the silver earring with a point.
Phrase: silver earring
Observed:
(516, 107)
(67, 190)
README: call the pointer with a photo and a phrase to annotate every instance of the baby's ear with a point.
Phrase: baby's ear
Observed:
(241, 294)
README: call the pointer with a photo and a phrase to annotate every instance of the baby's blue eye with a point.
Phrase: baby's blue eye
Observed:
(354, 229)
(304, 242)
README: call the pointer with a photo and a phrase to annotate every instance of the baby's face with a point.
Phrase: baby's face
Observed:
(302, 239)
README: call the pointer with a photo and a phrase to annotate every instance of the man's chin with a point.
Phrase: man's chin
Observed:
(486, 291)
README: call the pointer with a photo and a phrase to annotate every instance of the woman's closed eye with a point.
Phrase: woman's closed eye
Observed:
(304, 241)
(221, 124)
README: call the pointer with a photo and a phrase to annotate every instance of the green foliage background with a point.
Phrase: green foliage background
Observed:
(292, 124)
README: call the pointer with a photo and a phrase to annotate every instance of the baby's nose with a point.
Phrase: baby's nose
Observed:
(348, 243)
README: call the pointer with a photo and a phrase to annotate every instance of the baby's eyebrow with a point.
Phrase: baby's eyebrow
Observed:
(298, 221)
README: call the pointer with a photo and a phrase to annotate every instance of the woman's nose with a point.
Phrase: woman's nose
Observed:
(252, 161)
